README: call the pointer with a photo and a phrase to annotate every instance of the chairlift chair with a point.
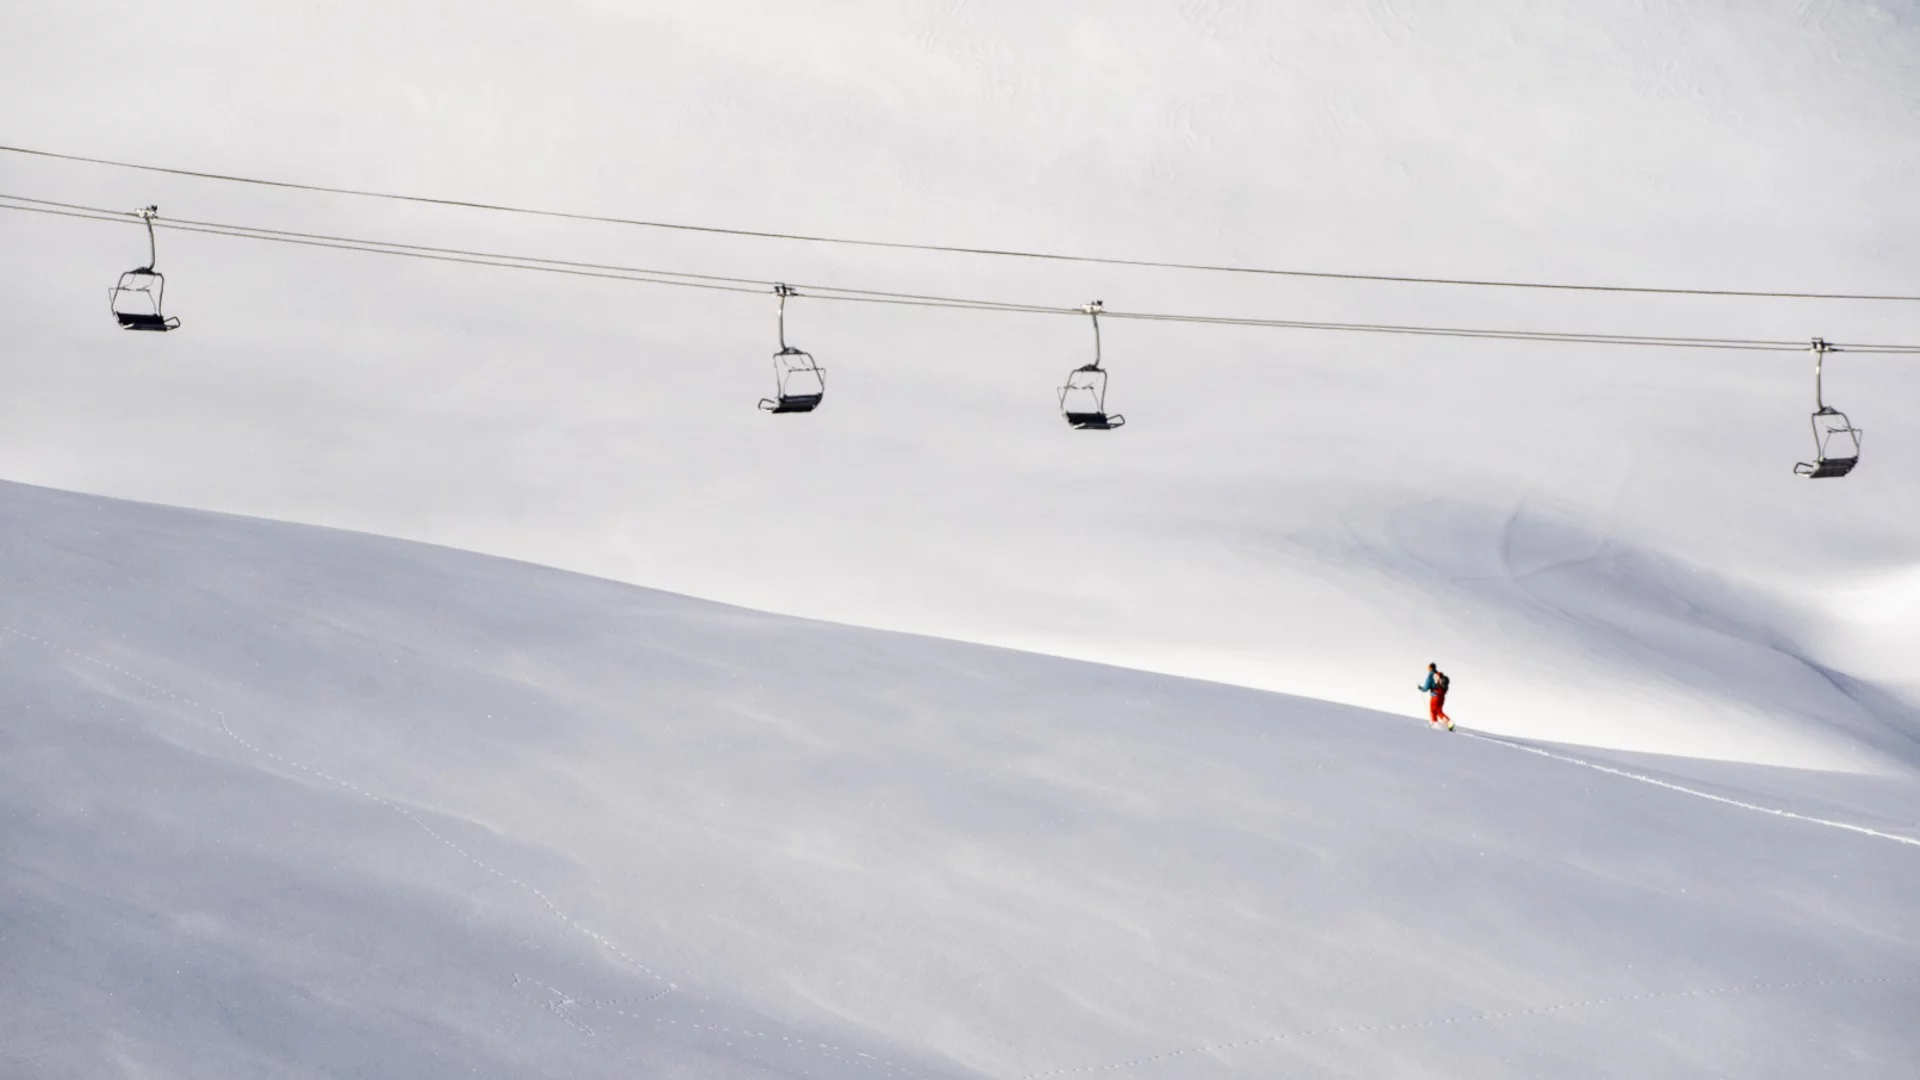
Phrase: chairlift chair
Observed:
(799, 383)
(1083, 400)
(136, 299)
(1836, 442)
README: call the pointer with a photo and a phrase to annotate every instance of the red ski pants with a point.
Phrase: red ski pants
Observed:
(1436, 710)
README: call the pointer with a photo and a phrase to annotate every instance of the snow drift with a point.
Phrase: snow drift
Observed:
(284, 801)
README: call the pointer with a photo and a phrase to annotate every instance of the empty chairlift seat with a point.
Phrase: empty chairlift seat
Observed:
(1083, 399)
(799, 384)
(1836, 442)
(1836, 445)
(137, 300)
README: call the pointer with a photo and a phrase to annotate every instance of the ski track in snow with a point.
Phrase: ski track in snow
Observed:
(1757, 808)
(556, 1001)
(1542, 1010)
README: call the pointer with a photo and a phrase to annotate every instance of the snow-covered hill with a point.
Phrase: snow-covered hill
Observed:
(281, 801)
(1603, 545)
(278, 801)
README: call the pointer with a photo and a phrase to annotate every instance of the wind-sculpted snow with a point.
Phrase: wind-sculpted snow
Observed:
(283, 801)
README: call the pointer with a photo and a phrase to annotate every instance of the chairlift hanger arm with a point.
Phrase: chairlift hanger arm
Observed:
(783, 290)
(147, 214)
(1093, 310)
(1820, 348)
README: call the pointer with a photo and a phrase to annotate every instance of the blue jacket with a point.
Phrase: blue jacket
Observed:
(1432, 684)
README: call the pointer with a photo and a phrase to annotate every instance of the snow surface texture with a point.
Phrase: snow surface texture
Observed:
(1602, 546)
(279, 801)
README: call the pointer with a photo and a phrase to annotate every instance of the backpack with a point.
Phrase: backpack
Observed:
(1441, 682)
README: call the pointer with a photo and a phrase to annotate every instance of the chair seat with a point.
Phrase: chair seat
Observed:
(133, 320)
(1828, 467)
(1090, 420)
(795, 403)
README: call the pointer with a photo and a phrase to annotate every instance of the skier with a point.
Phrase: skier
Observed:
(1436, 686)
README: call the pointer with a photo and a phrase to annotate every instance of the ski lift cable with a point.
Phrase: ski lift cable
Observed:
(872, 296)
(759, 285)
(1521, 335)
(591, 270)
(357, 244)
(916, 300)
(955, 249)
(379, 248)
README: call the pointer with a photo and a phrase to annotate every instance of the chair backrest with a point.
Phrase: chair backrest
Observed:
(136, 300)
(797, 369)
(1085, 392)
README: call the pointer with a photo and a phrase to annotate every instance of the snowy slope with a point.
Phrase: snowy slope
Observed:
(278, 801)
(1603, 546)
